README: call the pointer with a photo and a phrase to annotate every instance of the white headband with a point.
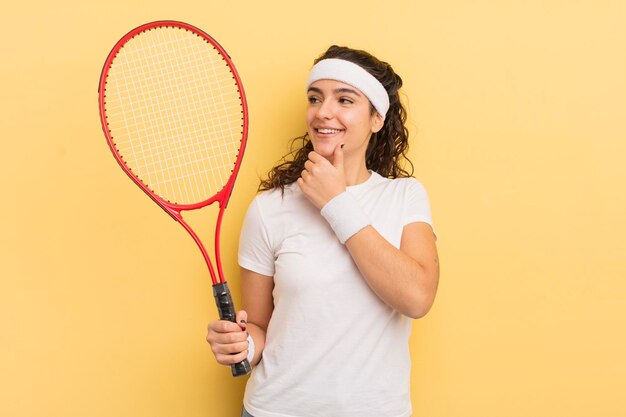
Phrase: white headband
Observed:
(354, 75)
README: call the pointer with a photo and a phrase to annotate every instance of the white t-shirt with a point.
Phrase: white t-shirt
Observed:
(333, 348)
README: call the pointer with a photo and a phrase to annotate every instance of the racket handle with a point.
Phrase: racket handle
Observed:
(226, 309)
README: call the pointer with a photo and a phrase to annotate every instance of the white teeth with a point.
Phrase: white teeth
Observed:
(328, 131)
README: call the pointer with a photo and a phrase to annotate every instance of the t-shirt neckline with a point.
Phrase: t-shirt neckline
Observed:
(373, 179)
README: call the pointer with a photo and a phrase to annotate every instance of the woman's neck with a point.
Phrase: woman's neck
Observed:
(355, 173)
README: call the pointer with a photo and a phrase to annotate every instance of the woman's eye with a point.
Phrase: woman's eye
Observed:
(345, 100)
(313, 99)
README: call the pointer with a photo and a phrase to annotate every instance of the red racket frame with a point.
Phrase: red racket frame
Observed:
(174, 210)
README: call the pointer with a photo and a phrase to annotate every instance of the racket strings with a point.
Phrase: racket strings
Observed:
(175, 113)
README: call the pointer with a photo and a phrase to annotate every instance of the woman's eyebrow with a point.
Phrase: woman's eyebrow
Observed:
(336, 91)
(346, 90)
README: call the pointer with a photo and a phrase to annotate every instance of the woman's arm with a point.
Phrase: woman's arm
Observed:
(406, 278)
(258, 302)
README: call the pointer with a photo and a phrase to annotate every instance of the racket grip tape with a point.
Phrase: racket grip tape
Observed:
(226, 310)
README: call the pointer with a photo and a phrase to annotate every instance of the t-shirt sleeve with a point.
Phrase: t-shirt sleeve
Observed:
(417, 204)
(255, 249)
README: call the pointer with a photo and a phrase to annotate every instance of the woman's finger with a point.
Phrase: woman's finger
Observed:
(230, 349)
(230, 359)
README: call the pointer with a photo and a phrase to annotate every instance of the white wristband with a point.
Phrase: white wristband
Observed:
(345, 216)
(250, 348)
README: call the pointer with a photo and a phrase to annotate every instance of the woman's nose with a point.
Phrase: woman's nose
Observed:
(325, 110)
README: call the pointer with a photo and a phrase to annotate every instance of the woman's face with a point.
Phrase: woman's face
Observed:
(340, 114)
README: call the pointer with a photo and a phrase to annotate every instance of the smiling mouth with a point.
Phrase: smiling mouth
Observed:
(328, 131)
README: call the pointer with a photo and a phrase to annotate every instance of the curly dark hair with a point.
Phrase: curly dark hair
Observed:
(386, 151)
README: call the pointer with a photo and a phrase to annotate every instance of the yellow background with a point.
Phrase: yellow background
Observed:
(517, 119)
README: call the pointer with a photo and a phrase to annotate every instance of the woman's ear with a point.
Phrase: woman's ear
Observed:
(377, 122)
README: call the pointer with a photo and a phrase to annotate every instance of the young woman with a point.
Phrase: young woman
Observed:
(337, 256)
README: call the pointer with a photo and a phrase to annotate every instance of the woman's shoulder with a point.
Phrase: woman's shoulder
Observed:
(277, 197)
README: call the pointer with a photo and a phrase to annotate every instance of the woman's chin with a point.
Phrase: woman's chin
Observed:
(326, 150)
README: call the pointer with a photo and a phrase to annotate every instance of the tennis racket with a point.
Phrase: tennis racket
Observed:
(174, 114)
